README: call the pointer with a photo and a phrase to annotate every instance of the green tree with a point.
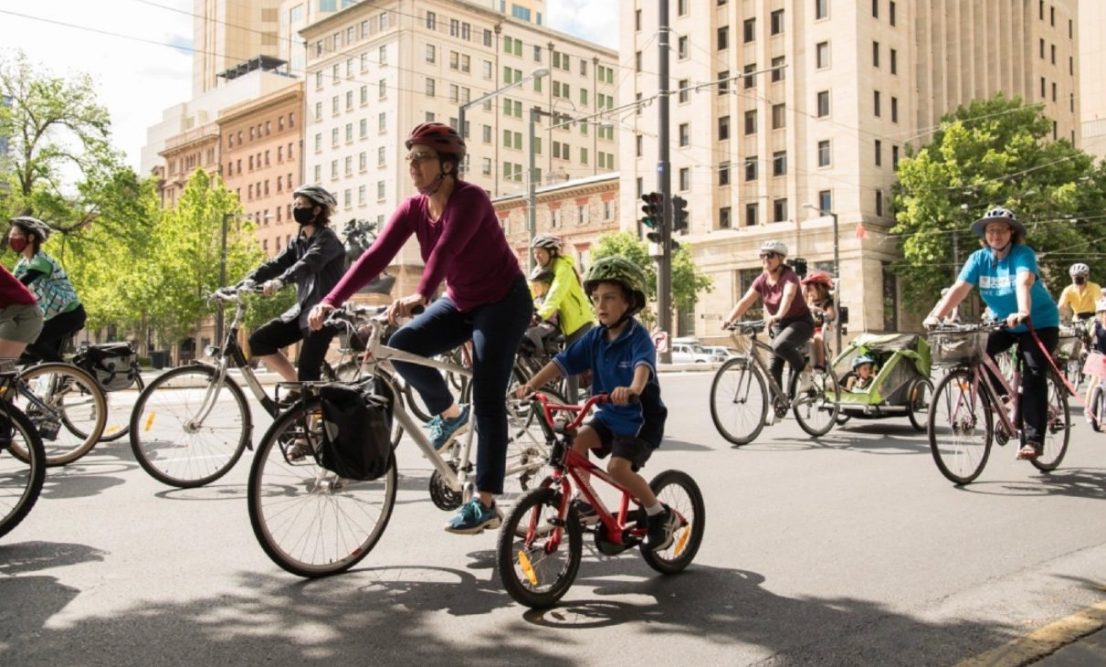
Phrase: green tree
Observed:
(996, 152)
(687, 282)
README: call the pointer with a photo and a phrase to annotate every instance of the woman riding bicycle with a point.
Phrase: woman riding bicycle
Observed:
(1006, 271)
(487, 300)
(314, 261)
(778, 287)
(565, 297)
(62, 312)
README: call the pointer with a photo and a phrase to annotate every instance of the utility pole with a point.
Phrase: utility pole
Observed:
(664, 184)
(222, 279)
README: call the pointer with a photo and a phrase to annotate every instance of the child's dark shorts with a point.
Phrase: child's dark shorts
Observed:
(635, 449)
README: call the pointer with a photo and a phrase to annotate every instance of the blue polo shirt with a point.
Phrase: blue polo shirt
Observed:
(997, 283)
(612, 364)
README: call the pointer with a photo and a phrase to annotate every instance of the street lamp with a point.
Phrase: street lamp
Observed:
(836, 276)
(540, 72)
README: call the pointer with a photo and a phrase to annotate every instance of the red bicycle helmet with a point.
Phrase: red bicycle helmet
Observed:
(819, 278)
(439, 136)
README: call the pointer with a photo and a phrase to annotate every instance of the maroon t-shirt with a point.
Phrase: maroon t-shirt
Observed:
(12, 291)
(771, 295)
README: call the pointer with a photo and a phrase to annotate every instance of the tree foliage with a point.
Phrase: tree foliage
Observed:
(996, 152)
(687, 282)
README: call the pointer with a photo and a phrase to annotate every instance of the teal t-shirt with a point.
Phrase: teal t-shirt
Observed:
(53, 290)
(997, 279)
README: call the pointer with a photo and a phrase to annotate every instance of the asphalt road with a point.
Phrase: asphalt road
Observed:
(851, 549)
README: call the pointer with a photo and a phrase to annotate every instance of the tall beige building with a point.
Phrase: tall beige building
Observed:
(1091, 31)
(226, 33)
(375, 70)
(777, 105)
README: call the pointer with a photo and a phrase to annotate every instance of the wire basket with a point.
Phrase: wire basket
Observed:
(952, 348)
(1068, 347)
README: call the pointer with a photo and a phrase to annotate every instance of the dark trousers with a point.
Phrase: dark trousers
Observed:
(55, 331)
(787, 346)
(1034, 374)
(496, 330)
(275, 334)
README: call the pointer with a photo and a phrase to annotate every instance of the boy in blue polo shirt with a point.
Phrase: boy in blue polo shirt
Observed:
(623, 360)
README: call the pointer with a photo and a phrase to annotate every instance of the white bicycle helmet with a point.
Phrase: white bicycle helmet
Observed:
(775, 246)
(33, 225)
(1079, 269)
(547, 242)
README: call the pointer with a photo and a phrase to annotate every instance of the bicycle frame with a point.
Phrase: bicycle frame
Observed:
(753, 350)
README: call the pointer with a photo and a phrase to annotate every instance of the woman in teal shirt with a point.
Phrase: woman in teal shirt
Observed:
(62, 311)
(1005, 269)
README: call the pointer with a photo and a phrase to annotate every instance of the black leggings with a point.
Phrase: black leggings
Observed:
(270, 337)
(1035, 367)
(55, 331)
(787, 345)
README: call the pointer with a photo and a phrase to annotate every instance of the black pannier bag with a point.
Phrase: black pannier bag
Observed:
(356, 431)
(112, 364)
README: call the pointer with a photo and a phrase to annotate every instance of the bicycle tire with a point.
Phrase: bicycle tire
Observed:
(527, 462)
(1095, 406)
(1073, 370)
(21, 479)
(920, 395)
(293, 503)
(533, 572)
(111, 431)
(819, 400)
(954, 420)
(179, 453)
(1058, 430)
(75, 400)
(680, 492)
(737, 382)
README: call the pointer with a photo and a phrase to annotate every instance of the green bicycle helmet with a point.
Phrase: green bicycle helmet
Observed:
(616, 269)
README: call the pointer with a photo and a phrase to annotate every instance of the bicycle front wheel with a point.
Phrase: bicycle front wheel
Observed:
(186, 431)
(537, 566)
(66, 405)
(528, 451)
(680, 492)
(815, 406)
(738, 401)
(310, 521)
(960, 427)
(1097, 408)
(1058, 430)
(21, 477)
(120, 407)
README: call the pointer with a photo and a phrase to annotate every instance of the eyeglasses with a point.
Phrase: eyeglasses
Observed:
(768, 255)
(421, 156)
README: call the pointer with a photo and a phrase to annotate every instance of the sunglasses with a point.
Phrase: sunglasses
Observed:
(768, 255)
(421, 156)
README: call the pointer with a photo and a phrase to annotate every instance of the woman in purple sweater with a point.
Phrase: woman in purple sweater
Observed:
(487, 300)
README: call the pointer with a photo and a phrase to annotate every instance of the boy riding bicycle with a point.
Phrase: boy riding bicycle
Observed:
(622, 359)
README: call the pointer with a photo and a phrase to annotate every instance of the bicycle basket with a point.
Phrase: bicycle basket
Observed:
(357, 431)
(1069, 346)
(952, 348)
(112, 364)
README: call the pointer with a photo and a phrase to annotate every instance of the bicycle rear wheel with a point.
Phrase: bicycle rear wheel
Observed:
(179, 441)
(960, 427)
(68, 408)
(1096, 408)
(21, 477)
(536, 570)
(119, 411)
(815, 407)
(919, 395)
(680, 492)
(738, 401)
(1058, 430)
(310, 521)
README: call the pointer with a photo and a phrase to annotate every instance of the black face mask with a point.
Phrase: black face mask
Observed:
(304, 216)
(1079, 280)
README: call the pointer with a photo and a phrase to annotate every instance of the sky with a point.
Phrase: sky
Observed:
(138, 51)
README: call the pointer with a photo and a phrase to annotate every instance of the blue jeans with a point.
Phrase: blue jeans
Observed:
(496, 330)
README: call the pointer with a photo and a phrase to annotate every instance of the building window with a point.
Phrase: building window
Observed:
(891, 12)
(823, 104)
(779, 116)
(751, 121)
(723, 128)
(685, 179)
(681, 48)
(875, 54)
(685, 134)
(749, 30)
(825, 200)
(875, 103)
(682, 92)
(824, 157)
(894, 61)
(879, 153)
(779, 210)
(879, 203)
(776, 21)
(724, 173)
(895, 109)
(821, 9)
(749, 76)
(724, 38)
(778, 69)
(750, 215)
(751, 168)
(875, 9)
(724, 217)
(429, 87)
(779, 163)
(822, 55)
(724, 82)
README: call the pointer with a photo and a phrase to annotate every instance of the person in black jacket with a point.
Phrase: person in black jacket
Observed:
(314, 261)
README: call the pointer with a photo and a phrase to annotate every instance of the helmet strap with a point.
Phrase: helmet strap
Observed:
(434, 185)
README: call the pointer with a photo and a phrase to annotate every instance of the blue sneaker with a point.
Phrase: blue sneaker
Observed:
(473, 518)
(443, 429)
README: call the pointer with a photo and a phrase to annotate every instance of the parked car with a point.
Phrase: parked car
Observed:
(689, 353)
(720, 353)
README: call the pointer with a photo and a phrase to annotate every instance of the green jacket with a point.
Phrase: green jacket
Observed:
(566, 298)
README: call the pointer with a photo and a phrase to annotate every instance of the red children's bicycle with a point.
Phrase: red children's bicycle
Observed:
(541, 543)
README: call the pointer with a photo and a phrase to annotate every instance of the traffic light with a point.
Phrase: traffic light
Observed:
(679, 215)
(653, 209)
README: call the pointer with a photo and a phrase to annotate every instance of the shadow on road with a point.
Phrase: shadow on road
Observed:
(24, 557)
(1075, 482)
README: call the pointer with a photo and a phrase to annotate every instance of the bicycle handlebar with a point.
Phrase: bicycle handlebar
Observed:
(746, 326)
